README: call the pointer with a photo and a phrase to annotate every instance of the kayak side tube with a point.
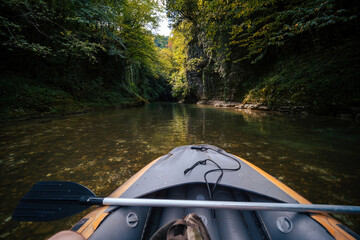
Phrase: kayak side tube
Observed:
(92, 220)
(329, 223)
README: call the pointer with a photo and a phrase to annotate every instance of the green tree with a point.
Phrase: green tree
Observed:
(240, 39)
(94, 50)
(161, 41)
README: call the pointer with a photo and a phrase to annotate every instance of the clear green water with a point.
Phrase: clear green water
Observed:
(316, 156)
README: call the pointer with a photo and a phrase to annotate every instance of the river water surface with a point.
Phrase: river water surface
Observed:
(316, 156)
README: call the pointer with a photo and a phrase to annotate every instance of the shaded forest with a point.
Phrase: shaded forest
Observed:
(60, 57)
(280, 54)
(69, 56)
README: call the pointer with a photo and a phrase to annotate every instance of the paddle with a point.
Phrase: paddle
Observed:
(53, 200)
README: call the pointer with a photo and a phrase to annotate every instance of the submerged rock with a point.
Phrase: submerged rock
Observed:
(218, 103)
(44, 229)
(344, 115)
(253, 107)
(7, 219)
(4, 235)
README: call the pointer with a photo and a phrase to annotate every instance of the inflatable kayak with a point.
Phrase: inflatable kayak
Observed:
(176, 184)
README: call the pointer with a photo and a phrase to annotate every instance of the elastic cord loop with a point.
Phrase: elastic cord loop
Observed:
(202, 162)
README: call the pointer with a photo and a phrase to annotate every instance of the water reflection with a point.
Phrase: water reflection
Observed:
(317, 157)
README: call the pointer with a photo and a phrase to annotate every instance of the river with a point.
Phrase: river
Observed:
(316, 156)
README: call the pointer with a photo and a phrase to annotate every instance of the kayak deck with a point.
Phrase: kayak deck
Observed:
(168, 177)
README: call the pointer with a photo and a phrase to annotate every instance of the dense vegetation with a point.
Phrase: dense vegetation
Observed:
(67, 56)
(275, 53)
(161, 41)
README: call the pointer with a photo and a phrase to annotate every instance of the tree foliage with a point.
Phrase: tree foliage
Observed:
(89, 48)
(174, 61)
(238, 36)
(161, 41)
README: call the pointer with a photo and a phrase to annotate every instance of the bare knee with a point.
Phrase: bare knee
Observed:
(67, 235)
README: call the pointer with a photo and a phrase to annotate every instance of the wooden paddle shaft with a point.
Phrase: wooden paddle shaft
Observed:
(289, 207)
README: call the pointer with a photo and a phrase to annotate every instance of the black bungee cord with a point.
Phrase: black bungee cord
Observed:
(203, 162)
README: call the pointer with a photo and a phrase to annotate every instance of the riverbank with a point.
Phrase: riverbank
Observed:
(299, 110)
(25, 99)
(24, 115)
(79, 108)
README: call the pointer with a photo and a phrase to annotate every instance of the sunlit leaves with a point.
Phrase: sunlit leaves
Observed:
(174, 59)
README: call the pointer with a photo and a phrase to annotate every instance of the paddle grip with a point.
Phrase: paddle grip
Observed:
(86, 200)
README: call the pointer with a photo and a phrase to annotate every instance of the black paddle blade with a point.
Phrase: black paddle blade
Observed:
(51, 200)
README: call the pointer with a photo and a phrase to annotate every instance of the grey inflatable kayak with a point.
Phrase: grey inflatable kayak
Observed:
(205, 173)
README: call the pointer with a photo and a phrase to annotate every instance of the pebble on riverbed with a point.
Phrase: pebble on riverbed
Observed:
(4, 235)
(263, 155)
(7, 219)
